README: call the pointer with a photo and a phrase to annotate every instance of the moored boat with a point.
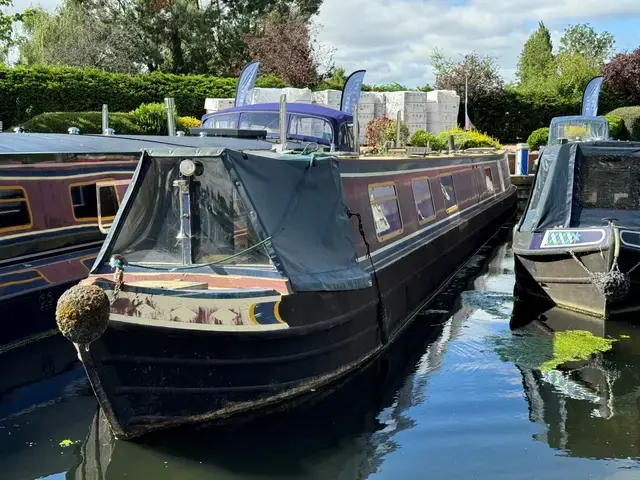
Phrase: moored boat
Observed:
(577, 245)
(239, 279)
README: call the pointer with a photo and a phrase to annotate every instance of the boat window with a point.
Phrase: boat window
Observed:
(488, 178)
(84, 200)
(422, 197)
(269, 121)
(227, 120)
(449, 193)
(152, 231)
(15, 213)
(610, 182)
(311, 127)
(501, 175)
(385, 210)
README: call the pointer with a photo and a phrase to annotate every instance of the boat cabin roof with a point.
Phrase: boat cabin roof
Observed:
(334, 116)
(59, 143)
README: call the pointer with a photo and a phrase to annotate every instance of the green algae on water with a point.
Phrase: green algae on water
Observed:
(546, 353)
(67, 442)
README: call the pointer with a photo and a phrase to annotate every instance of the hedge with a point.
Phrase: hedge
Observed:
(538, 138)
(27, 92)
(631, 118)
(617, 128)
(91, 122)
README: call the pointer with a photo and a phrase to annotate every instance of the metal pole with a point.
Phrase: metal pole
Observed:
(171, 120)
(105, 117)
(283, 119)
(398, 122)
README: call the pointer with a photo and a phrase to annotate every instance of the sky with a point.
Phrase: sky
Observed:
(393, 39)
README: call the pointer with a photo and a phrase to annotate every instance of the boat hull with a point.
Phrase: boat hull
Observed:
(558, 279)
(150, 377)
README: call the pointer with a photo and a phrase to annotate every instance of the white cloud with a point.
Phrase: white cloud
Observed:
(393, 39)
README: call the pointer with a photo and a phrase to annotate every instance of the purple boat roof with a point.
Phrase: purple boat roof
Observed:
(304, 108)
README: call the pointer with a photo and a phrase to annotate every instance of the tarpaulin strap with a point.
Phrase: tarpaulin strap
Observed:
(382, 309)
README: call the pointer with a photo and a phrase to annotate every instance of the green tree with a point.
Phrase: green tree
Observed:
(582, 39)
(7, 28)
(537, 64)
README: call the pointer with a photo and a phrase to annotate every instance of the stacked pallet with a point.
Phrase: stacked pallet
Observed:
(213, 105)
(412, 107)
(442, 110)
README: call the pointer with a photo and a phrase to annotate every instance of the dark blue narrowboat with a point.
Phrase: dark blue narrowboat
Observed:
(240, 279)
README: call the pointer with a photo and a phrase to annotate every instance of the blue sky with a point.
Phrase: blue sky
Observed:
(393, 39)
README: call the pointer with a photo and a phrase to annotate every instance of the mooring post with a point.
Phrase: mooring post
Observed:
(452, 145)
(356, 130)
(105, 117)
(171, 120)
(398, 129)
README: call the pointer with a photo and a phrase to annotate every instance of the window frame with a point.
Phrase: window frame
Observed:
(25, 199)
(395, 233)
(95, 184)
(486, 187)
(455, 207)
(415, 200)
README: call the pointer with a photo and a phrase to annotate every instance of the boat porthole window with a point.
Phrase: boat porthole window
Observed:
(423, 200)
(448, 193)
(383, 198)
(84, 201)
(15, 212)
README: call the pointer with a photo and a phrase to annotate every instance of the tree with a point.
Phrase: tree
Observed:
(582, 39)
(481, 73)
(7, 27)
(286, 48)
(622, 77)
(537, 64)
(72, 36)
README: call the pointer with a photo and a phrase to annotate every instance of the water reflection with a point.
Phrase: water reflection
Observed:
(590, 406)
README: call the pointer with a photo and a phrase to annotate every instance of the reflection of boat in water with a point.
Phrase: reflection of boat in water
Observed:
(589, 408)
(344, 435)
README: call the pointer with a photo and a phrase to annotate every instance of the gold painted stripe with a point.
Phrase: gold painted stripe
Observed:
(252, 314)
(276, 311)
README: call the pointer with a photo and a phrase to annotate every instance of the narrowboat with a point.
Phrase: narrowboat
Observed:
(233, 280)
(58, 196)
(577, 246)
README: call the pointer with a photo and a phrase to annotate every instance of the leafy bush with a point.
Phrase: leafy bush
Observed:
(381, 130)
(151, 118)
(538, 138)
(464, 139)
(185, 123)
(422, 139)
(87, 122)
(617, 128)
(29, 91)
(631, 118)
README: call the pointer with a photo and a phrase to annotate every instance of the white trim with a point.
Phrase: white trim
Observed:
(545, 239)
(415, 170)
(80, 175)
(116, 317)
(38, 232)
(428, 227)
(632, 232)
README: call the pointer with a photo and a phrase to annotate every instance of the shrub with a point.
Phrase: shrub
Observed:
(381, 130)
(617, 128)
(151, 118)
(185, 123)
(464, 139)
(87, 122)
(29, 91)
(538, 138)
(422, 139)
(631, 118)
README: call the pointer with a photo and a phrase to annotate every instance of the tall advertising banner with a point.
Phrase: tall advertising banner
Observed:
(590, 97)
(246, 83)
(351, 91)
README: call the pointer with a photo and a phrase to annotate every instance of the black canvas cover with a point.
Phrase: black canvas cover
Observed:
(299, 201)
(582, 184)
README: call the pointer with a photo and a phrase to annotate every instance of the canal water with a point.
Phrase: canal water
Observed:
(463, 395)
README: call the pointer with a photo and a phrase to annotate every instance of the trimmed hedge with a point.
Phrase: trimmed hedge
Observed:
(464, 139)
(27, 92)
(631, 118)
(422, 138)
(617, 128)
(91, 122)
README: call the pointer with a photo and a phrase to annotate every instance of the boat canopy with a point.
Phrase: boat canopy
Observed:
(581, 184)
(206, 211)
(578, 127)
